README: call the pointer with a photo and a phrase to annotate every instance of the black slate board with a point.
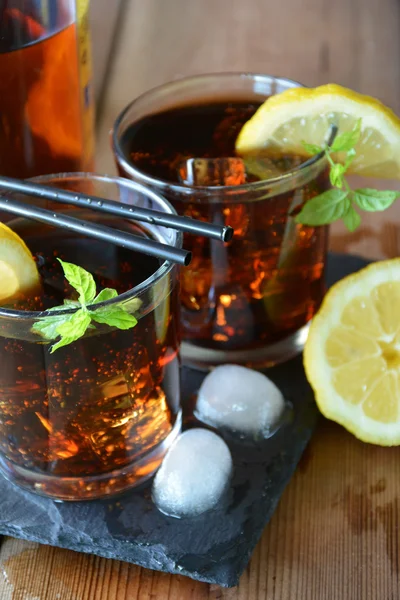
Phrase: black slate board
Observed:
(214, 547)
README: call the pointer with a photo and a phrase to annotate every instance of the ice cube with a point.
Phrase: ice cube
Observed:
(233, 170)
(241, 400)
(212, 171)
(194, 474)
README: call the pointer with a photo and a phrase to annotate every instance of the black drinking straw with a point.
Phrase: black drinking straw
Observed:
(100, 232)
(146, 215)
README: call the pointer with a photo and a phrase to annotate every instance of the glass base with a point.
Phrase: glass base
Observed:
(94, 486)
(204, 359)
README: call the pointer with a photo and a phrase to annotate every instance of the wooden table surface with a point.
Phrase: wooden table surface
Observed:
(335, 534)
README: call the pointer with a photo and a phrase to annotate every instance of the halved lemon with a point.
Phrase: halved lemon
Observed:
(352, 355)
(18, 270)
(287, 119)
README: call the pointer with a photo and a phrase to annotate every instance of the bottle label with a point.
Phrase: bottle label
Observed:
(85, 75)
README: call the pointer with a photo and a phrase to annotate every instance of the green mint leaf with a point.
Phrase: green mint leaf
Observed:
(336, 175)
(351, 219)
(347, 140)
(65, 341)
(325, 208)
(76, 325)
(311, 148)
(105, 294)
(374, 200)
(349, 158)
(81, 280)
(71, 326)
(114, 317)
(68, 303)
(47, 326)
(72, 329)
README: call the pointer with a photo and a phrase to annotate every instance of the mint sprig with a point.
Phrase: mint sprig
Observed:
(341, 201)
(69, 327)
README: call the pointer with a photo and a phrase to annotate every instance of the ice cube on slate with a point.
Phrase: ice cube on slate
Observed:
(241, 400)
(194, 474)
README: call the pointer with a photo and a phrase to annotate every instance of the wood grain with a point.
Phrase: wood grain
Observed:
(335, 534)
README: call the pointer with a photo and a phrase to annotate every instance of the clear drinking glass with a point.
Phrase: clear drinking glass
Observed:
(249, 301)
(96, 416)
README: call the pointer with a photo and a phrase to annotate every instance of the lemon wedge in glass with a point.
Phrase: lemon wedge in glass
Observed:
(18, 270)
(287, 119)
(352, 355)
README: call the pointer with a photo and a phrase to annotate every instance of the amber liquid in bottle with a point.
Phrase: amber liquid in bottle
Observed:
(42, 103)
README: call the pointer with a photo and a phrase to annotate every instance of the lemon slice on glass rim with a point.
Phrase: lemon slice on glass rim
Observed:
(300, 114)
(18, 270)
(352, 355)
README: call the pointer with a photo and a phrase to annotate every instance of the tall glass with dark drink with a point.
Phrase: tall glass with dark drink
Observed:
(251, 300)
(96, 416)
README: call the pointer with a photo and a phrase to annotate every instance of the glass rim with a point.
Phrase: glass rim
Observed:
(216, 190)
(138, 289)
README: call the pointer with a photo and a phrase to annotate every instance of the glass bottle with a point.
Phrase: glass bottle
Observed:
(46, 104)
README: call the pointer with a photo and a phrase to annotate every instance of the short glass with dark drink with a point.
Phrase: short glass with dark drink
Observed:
(96, 416)
(251, 300)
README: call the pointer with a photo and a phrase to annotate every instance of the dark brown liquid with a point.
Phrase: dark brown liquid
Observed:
(268, 281)
(159, 144)
(103, 401)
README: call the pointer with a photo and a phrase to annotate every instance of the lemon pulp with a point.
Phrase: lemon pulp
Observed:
(18, 270)
(352, 355)
(287, 119)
